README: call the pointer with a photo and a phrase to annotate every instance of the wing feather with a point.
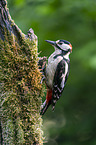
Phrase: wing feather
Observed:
(60, 78)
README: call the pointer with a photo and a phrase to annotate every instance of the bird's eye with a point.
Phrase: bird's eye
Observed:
(60, 43)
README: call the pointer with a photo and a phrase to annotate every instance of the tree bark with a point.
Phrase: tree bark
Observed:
(20, 86)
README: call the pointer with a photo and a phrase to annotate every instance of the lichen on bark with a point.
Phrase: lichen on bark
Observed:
(20, 86)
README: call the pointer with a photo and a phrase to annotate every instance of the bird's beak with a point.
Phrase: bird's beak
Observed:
(51, 42)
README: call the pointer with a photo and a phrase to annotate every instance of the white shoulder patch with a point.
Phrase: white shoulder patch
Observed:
(64, 75)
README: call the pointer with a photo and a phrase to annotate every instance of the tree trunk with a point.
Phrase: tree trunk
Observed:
(20, 86)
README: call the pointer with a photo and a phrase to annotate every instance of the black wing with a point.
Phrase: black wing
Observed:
(59, 81)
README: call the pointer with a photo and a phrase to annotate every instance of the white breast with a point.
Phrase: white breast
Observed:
(51, 68)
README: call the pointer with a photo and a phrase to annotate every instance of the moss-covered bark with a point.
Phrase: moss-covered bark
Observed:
(19, 84)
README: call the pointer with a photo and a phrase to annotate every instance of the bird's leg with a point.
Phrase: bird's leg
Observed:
(42, 66)
(43, 78)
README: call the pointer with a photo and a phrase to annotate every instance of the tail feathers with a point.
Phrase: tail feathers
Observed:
(45, 107)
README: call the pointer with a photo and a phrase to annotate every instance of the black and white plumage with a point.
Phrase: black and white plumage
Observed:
(57, 72)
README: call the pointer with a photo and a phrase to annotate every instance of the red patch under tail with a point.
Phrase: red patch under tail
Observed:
(49, 95)
(47, 102)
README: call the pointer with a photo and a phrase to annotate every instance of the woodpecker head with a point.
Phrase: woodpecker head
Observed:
(61, 45)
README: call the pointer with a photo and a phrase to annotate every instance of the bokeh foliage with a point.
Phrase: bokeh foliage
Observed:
(74, 119)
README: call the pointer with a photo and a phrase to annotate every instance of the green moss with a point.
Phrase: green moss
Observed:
(21, 92)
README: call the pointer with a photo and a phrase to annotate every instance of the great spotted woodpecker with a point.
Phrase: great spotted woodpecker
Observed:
(56, 73)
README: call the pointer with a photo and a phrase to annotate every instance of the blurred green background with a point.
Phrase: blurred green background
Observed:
(74, 120)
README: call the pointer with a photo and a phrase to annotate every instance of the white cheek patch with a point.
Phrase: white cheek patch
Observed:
(65, 47)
